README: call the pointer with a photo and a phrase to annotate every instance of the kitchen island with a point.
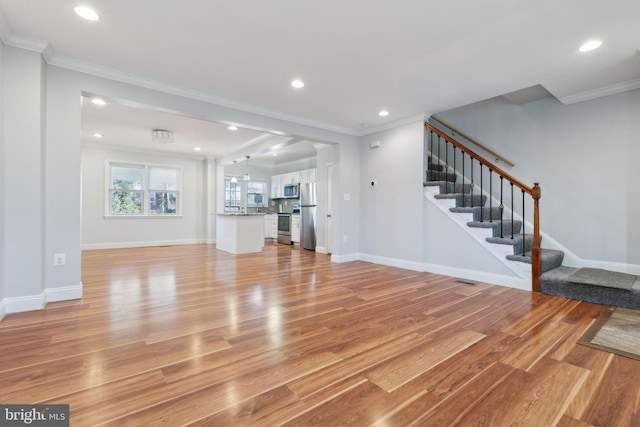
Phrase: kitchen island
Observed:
(240, 233)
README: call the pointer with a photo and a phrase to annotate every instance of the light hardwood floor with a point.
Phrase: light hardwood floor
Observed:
(191, 335)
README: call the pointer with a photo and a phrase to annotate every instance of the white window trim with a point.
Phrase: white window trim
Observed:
(145, 196)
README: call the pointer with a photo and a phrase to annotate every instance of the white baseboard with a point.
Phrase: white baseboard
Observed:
(393, 262)
(122, 245)
(63, 293)
(37, 302)
(480, 276)
(476, 276)
(322, 250)
(345, 258)
(25, 303)
(211, 241)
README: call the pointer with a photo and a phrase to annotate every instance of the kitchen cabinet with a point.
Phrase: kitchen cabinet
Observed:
(295, 228)
(271, 226)
(239, 233)
(278, 182)
(276, 186)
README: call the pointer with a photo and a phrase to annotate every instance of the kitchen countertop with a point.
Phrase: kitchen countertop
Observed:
(242, 214)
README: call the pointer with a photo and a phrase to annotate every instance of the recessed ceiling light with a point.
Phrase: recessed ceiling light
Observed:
(590, 45)
(97, 135)
(297, 84)
(383, 113)
(274, 154)
(98, 101)
(232, 128)
(197, 148)
(86, 13)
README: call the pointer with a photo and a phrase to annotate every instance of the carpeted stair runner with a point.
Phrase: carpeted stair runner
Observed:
(606, 290)
(586, 284)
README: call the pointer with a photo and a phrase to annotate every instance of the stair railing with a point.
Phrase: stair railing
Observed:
(534, 192)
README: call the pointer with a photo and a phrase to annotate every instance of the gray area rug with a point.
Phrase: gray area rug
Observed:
(598, 277)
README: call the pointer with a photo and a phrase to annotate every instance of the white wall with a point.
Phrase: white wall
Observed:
(585, 157)
(391, 213)
(100, 232)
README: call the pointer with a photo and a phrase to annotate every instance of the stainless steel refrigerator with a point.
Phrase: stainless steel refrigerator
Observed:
(308, 206)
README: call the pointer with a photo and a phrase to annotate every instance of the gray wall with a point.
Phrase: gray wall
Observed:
(391, 213)
(584, 156)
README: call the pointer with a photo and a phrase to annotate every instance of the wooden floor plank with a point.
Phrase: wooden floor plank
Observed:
(189, 335)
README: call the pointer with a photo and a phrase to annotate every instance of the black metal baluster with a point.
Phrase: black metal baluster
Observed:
(481, 188)
(490, 195)
(522, 222)
(501, 207)
(446, 170)
(439, 161)
(430, 154)
(453, 185)
(512, 211)
(463, 192)
(471, 159)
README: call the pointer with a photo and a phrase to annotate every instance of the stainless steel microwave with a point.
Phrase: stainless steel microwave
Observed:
(291, 191)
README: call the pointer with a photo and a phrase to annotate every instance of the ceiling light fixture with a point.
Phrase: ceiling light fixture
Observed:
(383, 113)
(233, 178)
(98, 101)
(246, 174)
(297, 84)
(232, 128)
(590, 45)
(162, 136)
(197, 149)
(86, 13)
(97, 135)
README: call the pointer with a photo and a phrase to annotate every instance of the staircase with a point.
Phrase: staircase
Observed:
(480, 208)
(504, 230)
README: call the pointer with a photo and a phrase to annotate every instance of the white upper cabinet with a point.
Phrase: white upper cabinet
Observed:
(279, 181)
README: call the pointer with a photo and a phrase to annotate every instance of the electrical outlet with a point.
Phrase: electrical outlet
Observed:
(345, 238)
(59, 259)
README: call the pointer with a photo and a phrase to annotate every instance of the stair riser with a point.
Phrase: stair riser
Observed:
(499, 228)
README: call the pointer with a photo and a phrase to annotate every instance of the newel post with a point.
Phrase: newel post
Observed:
(536, 262)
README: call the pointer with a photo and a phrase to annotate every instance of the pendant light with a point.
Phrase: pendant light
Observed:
(246, 175)
(233, 178)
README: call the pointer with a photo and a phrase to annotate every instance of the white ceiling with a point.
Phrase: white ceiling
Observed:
(127, 125)
(411, 57)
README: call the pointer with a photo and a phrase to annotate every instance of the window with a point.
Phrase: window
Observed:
(143, 190)
(256, 193)
(253, 193)
(232, 195)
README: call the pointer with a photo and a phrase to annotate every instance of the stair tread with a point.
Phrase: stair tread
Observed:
(550, 258)
(492, 224)
(509, 240)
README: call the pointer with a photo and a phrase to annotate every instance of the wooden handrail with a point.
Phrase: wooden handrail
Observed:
(473, 141)
(535, 192)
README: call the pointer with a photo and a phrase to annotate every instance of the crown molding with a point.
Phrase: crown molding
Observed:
(133, 79)
(394, 124)
(31, 44)
(599, 93)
